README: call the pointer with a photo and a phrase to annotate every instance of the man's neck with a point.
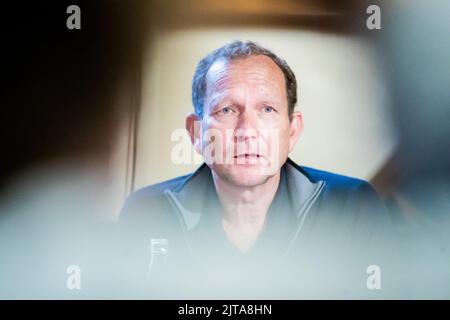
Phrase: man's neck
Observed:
(244, 209)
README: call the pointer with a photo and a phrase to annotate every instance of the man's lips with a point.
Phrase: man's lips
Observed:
(247, 155)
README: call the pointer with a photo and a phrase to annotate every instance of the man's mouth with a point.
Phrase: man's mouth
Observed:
(247, 155)
(250, 159)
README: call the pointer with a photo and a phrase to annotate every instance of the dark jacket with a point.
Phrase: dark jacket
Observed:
(321, 228)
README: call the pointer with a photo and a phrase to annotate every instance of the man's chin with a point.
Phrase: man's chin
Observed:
(245, 176)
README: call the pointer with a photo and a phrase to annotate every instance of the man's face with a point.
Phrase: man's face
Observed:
(245, 133)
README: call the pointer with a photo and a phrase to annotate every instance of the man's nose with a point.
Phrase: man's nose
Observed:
(246, 127)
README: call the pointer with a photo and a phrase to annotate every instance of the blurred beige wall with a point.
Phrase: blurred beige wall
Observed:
(341, 96)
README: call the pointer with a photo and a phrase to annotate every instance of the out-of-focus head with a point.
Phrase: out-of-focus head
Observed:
(416, 54)
(63, 84)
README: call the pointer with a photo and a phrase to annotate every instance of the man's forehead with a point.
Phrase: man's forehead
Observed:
(259, 66)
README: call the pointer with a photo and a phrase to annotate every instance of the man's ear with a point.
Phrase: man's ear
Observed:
(295, 129)
(193, 128)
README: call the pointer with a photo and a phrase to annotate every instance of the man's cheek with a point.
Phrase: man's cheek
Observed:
(228, 147)
(217, 146)
(211, 146)
(273, 143)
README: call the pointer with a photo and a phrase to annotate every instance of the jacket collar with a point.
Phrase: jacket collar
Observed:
(190, 198)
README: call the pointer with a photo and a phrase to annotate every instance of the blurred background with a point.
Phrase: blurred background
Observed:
(112, 94)
(341, 92)
(88, 115)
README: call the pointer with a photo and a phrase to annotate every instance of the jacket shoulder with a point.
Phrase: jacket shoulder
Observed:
(336, 181)
(356, 202)
(143, 199)
(158, 188)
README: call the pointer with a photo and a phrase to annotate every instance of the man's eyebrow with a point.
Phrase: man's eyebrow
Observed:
(268, 102)
(216, 99)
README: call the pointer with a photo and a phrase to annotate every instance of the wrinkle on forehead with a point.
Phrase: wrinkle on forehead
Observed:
(260, 71)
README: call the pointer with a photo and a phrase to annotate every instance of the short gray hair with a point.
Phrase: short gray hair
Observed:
(236, 50)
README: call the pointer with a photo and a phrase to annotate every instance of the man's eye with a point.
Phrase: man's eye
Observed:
(268, 109)
(226, 110)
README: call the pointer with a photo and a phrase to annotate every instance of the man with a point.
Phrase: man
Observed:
(250, 217)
